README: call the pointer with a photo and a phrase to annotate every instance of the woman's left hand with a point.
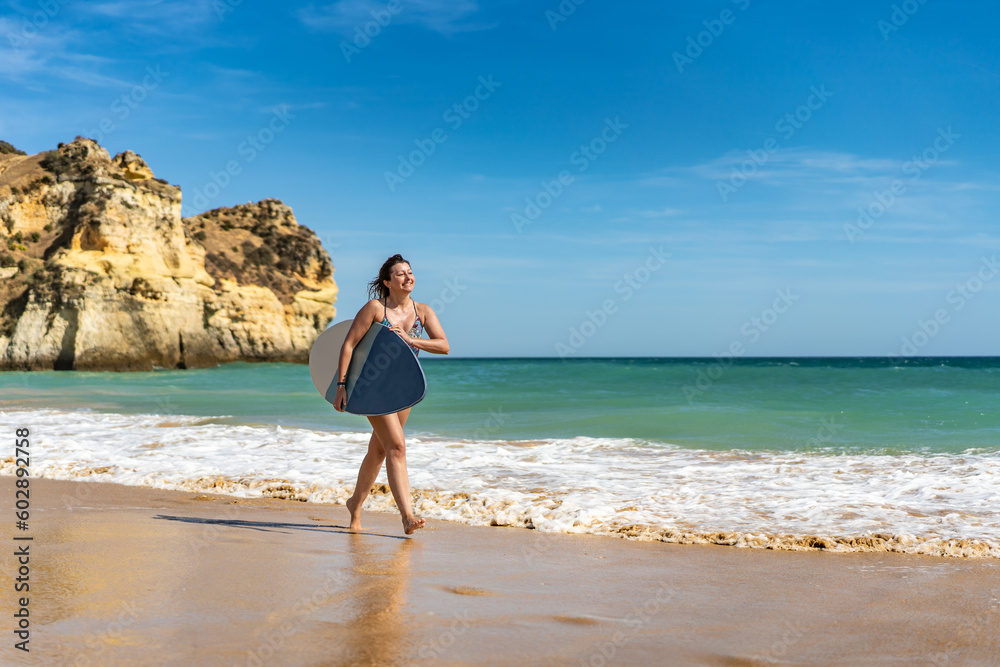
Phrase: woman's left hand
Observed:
(404, 334)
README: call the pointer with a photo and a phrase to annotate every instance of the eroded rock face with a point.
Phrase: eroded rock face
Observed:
(132, 166)
(105, 275)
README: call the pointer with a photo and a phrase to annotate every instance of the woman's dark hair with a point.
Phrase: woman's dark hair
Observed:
(376, 288)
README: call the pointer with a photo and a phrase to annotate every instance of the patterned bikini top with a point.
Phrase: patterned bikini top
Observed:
(415, 332)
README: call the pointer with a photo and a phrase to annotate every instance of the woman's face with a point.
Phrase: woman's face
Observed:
(400, 277)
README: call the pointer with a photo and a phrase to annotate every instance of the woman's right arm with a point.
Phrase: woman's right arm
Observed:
(362, 321)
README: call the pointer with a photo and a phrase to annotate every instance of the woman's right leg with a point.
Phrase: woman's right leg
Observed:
(370, 468)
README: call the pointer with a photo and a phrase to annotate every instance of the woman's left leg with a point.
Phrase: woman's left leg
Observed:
(390, 435)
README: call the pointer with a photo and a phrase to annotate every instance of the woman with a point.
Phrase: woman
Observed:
(392, 306)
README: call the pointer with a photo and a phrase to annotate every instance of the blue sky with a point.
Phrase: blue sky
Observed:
(593, 179)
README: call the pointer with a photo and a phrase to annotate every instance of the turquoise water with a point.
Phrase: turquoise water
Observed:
(864, 405)
(771, 451)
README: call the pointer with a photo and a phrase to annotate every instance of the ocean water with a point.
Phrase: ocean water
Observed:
(844, 454)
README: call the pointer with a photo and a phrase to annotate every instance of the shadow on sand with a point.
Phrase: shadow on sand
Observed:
(273, 526)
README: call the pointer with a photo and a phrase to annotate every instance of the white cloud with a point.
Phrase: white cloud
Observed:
(442, 16)
(38, 58)
(157, 16)
(794, 163)
(797, 166)
(305, 106)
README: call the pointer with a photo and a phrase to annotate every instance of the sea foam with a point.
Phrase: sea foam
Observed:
(934, 504)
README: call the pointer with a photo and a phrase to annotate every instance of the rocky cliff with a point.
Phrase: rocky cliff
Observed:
(98, 271)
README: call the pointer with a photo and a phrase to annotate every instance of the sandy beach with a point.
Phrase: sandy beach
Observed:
(135, 576)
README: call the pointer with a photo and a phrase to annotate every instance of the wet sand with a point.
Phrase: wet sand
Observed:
(135, 576)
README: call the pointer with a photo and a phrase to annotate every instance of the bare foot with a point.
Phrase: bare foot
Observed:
(412, 524)
(355, 515)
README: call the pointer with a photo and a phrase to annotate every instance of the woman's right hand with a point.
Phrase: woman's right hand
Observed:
(340, 400)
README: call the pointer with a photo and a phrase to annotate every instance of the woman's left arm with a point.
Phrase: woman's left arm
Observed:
(437, 342)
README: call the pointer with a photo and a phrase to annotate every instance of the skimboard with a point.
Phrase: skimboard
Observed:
(383, 377)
